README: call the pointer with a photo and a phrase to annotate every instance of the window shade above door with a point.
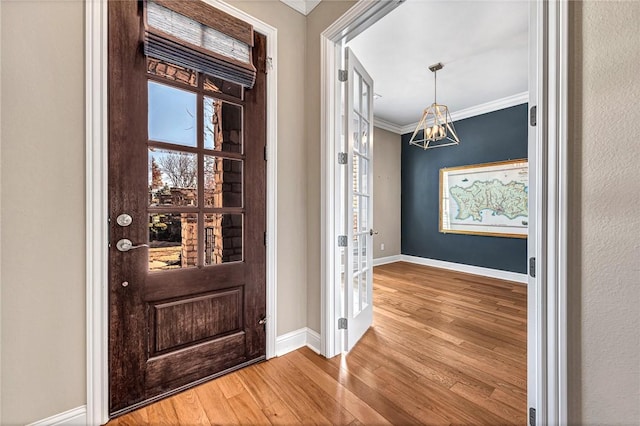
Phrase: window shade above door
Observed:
(196, 35)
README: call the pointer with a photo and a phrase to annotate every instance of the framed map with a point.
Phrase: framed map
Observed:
(486, 199)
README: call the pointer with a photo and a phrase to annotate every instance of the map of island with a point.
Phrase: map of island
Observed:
(501, 199)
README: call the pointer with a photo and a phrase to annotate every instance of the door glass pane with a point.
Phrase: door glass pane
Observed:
(218, 85)
(365, 98)
(173, 177)
(364, 222)
(173, 241)
(356, 91)
(222, 238)
(364, 172)
(171, 71)
(363, 252)
(356, 173)
(172, 115)
(222, 182)
(355, 250)
(356, 214)
(222, 125)
(356, 134)
(364, 136)
(364, 284)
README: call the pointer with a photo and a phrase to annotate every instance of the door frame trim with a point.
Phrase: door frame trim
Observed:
(550, 399)
(96, 204)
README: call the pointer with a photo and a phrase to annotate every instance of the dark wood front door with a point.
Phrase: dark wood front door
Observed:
(187, 190)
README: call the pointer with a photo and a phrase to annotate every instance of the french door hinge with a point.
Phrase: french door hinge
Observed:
(532, 267)
(265, 153)
(342, 158)
(342, 240)
(533, 115)
(342, 75)
(342, 323)
(265, 238)
(532, 416)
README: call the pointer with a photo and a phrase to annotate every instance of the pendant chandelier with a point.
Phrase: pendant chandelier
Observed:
(435, 129)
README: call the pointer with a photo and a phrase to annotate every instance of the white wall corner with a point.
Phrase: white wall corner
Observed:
(387, 125)
(297, 339)
(303, 6)
(74, 417)
(468, 269)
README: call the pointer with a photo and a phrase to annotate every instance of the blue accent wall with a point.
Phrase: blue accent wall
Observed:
(495, 136)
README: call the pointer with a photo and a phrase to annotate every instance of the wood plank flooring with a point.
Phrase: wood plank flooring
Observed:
(445, 348)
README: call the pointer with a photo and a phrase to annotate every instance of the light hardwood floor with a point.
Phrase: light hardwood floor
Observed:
(445, 348)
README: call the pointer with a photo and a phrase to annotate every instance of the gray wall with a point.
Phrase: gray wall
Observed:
(42, 192)
(604, 264)
(496, 136)
(386, 193)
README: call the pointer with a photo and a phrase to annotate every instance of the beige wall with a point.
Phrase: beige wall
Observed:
(604, 289)
(43, 248)
(318, 20)
(292, 195)
(386, 192)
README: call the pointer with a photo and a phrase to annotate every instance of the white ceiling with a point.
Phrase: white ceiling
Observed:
(482, 44)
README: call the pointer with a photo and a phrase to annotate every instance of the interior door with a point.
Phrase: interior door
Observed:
(359, 200)
(187, 204)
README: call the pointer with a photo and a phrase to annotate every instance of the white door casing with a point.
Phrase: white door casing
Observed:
(96, 225)
(358, 199)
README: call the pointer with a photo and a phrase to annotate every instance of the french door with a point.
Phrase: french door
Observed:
(187, 207)
(358, 201)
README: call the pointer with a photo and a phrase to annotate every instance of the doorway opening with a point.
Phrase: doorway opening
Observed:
(547, 167)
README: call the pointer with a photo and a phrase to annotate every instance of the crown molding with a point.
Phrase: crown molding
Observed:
(498, 104)
(303, 6)
(387, 125)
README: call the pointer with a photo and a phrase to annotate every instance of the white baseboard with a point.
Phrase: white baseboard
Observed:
(389, 259)
(74, 417)
(313, 341)
(469, 269)
(296, 339)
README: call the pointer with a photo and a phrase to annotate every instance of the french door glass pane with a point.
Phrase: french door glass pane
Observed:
(363, 213)
(222, 182)
(356, 134)
(356, 214)
(364, 173)
(356, 173)
(173, 178)
(356, 92)
(172, 115)
(222, 125)
(173, 241)
(355, 250)
(365, 98)
(222, 238)
(364, 136)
